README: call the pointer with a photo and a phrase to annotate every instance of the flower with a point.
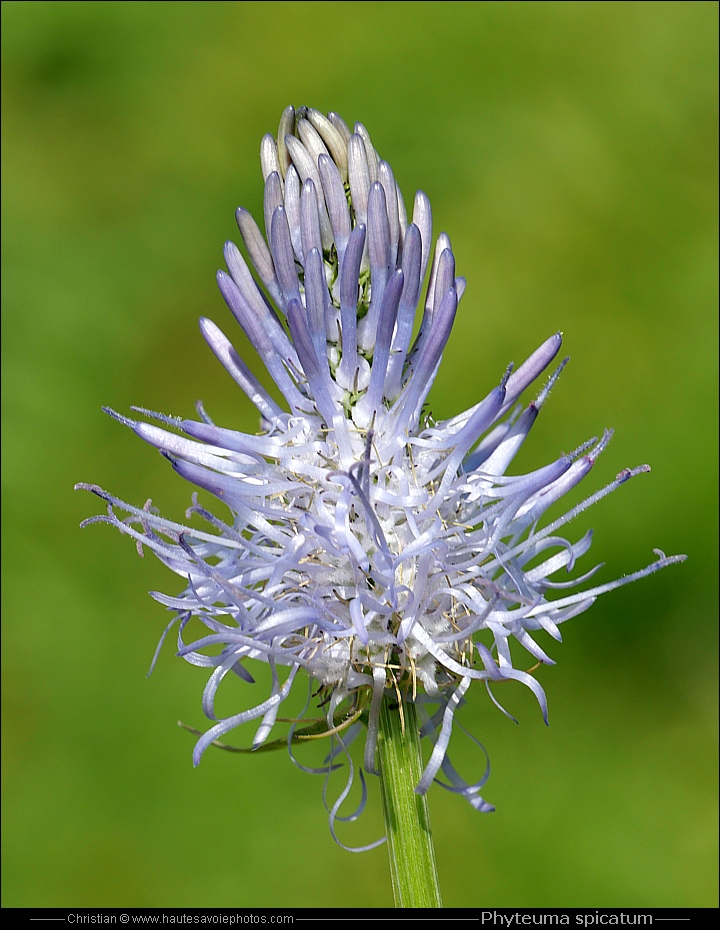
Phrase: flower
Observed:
(369, 546)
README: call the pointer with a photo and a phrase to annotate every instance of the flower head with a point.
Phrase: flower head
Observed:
(368, 545)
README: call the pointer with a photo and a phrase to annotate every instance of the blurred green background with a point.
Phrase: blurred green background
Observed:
(569, 149)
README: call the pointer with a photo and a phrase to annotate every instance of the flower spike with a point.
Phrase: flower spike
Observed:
(377, 551)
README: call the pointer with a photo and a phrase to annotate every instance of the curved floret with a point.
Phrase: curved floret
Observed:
(368, 546)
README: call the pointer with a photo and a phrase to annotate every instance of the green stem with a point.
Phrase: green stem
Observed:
(407, 821)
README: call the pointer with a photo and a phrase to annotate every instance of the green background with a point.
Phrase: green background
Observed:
(569, 149)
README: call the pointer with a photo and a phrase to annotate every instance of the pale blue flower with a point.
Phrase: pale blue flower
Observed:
(369, 546)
